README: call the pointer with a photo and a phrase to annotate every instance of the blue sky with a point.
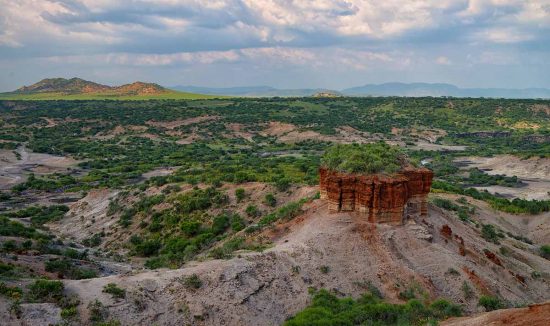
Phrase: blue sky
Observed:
(282, 43)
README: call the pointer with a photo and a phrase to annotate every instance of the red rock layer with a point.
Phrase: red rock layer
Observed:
(382, 198)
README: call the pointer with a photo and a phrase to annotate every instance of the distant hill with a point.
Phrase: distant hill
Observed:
(254, 91)
(62, 85)
(387, 89)
(426, 89)
(77, 88)
(80, 89)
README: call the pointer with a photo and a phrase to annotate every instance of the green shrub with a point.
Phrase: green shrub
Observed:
(282, 184)
(237, 223)
(45, 291)
(545, 251)
(12, 292)
(192, 282)
(220, 223)
(114, 291)
(98, 312)
(148, 248)
(327, 309)
(65, 268)
(9, 246)
(453, 271)
(6, 269)
(467, 290)
(252, 211)
(69, 313)
(156, 262)
(407, 294)
(270, 200)
(364, 158)
(94, 240)
(190, 227)
(490, 303)
(239, 194)
(445, 204)
(442, 308)
(489, 233)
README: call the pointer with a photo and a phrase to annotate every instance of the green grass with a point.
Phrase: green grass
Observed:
(171, 95)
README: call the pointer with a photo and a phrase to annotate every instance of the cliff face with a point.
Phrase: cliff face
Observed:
(380, 198)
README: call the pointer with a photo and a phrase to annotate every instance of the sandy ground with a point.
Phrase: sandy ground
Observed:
(535, 315)
(159, 172)
(86, 217)
(14, 171)
(437, 147)
(534, 172)
(539, 190)
(532, 168)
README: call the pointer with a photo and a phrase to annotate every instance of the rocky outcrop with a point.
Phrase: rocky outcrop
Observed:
(381, 198)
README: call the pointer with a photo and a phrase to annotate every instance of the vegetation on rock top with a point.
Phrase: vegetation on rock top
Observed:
(365, 158)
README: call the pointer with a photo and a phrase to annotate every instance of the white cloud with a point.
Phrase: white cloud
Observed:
(504, 35)
(442, 60)
(312, 35)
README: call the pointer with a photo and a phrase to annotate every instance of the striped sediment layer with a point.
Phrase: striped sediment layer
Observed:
(380, 198)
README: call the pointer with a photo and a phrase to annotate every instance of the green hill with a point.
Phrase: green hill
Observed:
(80, 89)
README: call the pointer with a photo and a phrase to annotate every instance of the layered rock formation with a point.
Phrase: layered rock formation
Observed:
(380, 198)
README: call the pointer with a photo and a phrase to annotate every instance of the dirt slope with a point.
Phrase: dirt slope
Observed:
(535, 315)
(267, 288)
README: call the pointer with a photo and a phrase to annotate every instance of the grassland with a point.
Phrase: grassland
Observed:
(170, 95)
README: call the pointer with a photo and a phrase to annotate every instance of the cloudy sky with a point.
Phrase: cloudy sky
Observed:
(282, 43)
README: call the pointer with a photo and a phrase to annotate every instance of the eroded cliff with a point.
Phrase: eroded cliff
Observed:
(381, 198)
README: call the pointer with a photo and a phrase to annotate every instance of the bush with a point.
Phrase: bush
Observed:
(252, 211)
(65, 268)
(190, 227)
(489, 233)
(365, 158)
(192, 282)
(443, 308)
(490, 303)
(327, 309)
(282, 184)
(270, 200)
(545, 251)
(467, 290)
(98, 312)
(68, 313)
(445, 204)
(114, 291)
(12, 292)
(46, 291)
(148, 248)
(239, 194)
(237, 223)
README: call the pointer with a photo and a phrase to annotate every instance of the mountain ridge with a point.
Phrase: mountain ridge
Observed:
(80, 86)
(74, 87)
(443, 89)
(385, 89)
(80, 89)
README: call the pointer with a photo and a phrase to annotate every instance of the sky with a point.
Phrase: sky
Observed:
(282, 43)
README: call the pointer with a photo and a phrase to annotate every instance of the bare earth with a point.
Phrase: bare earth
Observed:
(14, 171)
(534, 172)
(268, 287)
(534, 315)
